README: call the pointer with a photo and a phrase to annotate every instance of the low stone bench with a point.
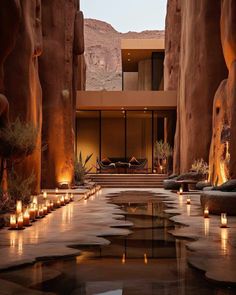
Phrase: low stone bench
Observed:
(219, 202)
(171, 184)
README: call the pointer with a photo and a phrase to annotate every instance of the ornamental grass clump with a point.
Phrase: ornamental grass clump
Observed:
(81, 170)
(200, 166)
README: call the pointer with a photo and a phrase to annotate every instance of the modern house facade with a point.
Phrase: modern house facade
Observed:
(125, 124)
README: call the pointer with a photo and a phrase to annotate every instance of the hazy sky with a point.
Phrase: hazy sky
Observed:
(127, 15)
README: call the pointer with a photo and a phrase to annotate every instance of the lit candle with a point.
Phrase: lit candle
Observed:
(13, 221)
(40, 211)
(58, 203)
(45, 210)
(145, 258)
(45, 195)
(223, 220)
(18, 207)
(26, 218)
(206, 213)
(62, 200)
(180, 190)
(35, 200)
(123, 259)
(67, 198)
(52, 205)
(48, 206)
(32, 213)
(56, 190)
(71, 197)
(20, 221)
(188, 201)
(161, 168)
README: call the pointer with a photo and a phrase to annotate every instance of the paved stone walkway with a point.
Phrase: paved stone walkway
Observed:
(59, 234)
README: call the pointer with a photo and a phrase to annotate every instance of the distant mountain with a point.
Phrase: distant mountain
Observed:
(103, 54)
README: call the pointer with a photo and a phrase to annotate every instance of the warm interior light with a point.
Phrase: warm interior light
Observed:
(188, 201)
(45, 195)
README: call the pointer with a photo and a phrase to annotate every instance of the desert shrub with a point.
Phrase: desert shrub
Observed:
(200, 166)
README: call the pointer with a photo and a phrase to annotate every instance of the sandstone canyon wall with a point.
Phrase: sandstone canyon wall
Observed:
(201, 70)
(63, 43)
(21, 81)
(10, 13)
(223, 145)
(172, 45)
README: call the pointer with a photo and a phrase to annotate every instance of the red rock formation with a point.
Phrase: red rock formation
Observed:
(172, 45)
(63, 41)
(21, 82)
(223, 145)
(202, 68)
(9, 25)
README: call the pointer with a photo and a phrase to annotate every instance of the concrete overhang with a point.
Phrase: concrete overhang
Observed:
(133, 100)
(135, 50)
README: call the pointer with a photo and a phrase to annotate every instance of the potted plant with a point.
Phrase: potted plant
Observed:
(81, 170)
(162, 152)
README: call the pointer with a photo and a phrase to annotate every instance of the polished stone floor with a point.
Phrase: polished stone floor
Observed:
(144, 259)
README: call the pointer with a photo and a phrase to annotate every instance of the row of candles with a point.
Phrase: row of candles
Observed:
(23, 218)
(206, 213)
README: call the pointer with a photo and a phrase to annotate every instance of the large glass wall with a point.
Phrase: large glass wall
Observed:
(112, 134)
(88, 135)
(123, 134)
(139, 135)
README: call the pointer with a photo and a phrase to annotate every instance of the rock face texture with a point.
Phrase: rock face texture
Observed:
(63, 43)
(172, 45)
(9, 25)
(223, 145)
(21, 81)
(202, 68)
(103, 54)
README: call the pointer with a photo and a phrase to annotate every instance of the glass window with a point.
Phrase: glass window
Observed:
(139, 135)
(88, 134)
(113, 134)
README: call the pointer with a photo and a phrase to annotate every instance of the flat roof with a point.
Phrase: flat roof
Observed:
(138, 44)
(133, 100)
(134, 50)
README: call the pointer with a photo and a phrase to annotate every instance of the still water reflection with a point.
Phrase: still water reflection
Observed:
(148, 261)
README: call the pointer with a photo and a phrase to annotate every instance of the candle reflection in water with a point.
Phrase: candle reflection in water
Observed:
(188, 209)
(16, 243)
(67, 217)
(224, 241)
(206, 226)
(123, 258)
